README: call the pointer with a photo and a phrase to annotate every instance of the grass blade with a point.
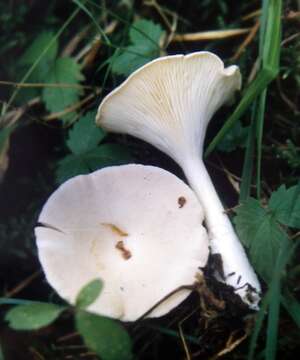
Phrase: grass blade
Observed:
(254, 89)
(275, 295)
(82, 6)
(258, 325)
(273, 318)
(10, 301)
(292, 306)
(270, 48)
(259, 136)
(248, 161)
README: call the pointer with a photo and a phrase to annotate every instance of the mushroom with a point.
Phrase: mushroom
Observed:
(126, 225)
(169, 103)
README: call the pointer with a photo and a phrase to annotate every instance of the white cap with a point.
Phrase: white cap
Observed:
(138, 228)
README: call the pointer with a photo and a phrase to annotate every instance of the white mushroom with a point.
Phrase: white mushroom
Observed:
(138, 228)
(169, 103)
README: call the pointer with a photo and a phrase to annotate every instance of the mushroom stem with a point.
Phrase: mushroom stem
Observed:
(237, 270)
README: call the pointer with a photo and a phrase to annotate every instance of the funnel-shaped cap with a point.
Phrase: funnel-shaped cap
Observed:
(169, 102)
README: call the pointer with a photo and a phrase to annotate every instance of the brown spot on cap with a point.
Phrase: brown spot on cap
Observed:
(126, 254)
(181, 201)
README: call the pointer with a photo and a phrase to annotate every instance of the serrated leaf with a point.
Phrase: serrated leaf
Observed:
(143, 31)
(64, 71)
(38, 45)
(144, 36)
(235, 138)
(285, 203)
(89, 293)
(133, 57)
(85, 135)
(70, 166)
(33, 52)
(103, 155)
(260, 233)
(107, 154)
(104, 336)
(33, 316)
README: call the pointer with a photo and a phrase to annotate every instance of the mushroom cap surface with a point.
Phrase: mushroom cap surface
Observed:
(138, 228)
(170, 101)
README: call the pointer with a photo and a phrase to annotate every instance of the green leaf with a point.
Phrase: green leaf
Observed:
(143, 31)
(64, 71)
(107, 154)
(260, 233)
(104, 336)
(144, 36)
(290, 153)
(70, 166)
(34, 51)
(89, 293)
(103, 155)
(33, 316)
(236, 137)
(285, 204)
(85, 135)
(133, 57)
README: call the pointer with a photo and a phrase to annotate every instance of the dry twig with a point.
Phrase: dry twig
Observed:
(72, 108)
(251, 15)
(23, 284)
(210, 35)
(249, 38)
(43, 85)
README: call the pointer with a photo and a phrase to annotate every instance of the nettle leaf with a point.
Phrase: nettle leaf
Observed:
(235, 138)
(107, 154)
(261, 234)
(89, 293)
(105, 336)
(32, 53)
(97, 158)
(39, 73)
(290, 153)
(285, 203)
(70, 166)
(144, 36)
(64, 71)
(85, 135)
(36, 48)
(145, 31)
(33, 316)
(130, 59)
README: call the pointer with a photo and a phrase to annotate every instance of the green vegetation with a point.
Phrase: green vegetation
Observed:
(58, 61)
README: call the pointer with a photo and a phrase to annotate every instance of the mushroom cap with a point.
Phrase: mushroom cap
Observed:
(170, 101)
(138, 228)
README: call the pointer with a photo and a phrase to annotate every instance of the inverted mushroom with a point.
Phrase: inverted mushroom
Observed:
(129, 226)
(169, 103)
